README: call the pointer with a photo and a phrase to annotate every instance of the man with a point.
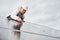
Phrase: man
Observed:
(17, 16)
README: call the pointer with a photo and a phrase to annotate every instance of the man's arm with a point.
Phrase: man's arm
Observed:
(14, 15)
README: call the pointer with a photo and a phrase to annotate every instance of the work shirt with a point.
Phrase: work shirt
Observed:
(20, 15)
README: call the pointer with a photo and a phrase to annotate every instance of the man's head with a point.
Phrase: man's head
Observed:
(23, 9)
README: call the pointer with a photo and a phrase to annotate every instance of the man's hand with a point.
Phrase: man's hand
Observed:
(23, 21)
(19, 20)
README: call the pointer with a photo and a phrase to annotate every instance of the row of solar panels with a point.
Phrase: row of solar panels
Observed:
(29, 31)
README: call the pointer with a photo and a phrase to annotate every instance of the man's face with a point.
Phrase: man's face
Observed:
(22, 10)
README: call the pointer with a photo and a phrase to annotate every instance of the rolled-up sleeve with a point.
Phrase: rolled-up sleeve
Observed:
(14, 17)
(13, 14)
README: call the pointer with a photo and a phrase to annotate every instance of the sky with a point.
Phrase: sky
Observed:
(41, 12)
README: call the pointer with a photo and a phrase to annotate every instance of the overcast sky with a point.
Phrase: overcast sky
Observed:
(42, 12)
